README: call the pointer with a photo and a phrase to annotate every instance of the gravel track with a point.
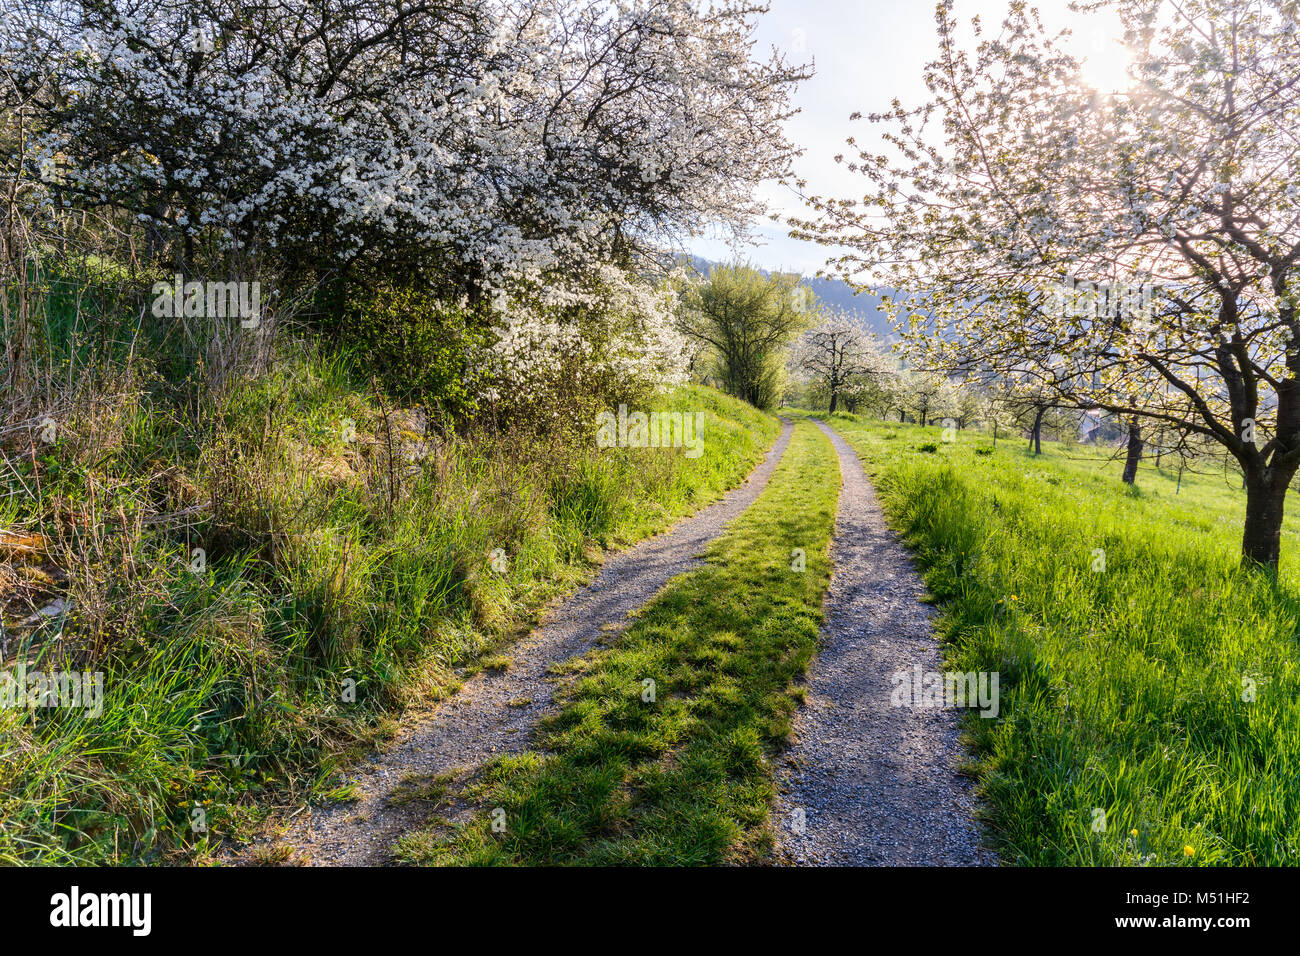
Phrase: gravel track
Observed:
(877, 784)
(494, 712)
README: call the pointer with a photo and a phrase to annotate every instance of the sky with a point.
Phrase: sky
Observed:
(865, 53)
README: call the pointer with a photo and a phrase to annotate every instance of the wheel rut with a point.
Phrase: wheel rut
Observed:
(866, 782)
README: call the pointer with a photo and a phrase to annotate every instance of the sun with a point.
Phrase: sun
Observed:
(1105, 61)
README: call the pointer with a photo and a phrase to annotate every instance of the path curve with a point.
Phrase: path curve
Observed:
(487, 716)
(877, 784)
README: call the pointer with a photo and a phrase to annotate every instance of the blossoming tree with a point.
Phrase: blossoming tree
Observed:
(837, 354)
(526, 147)
(1133, 251)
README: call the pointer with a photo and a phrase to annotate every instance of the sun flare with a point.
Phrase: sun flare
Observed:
(1105, 62)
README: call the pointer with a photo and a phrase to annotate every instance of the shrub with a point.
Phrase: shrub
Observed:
(424, 347)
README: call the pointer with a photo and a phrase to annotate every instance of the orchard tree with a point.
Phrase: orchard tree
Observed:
(836, 354)
(971, 405)
(1133, 251)
(881, 392)
(520, 142)
(524, 161)
(928, 396)
(1029, 407)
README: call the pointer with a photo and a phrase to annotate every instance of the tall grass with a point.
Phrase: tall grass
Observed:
(344, 573)
(1150, 688)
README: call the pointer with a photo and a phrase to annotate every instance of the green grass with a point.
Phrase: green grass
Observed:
(337, 590)
(685, 779)
(1122, 688)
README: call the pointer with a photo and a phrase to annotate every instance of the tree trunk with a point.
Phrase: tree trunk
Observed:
(1036, 436)
(1261, 540)
(835, 398)
(1134, 452)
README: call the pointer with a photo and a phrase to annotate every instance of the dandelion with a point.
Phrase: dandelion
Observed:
(1188, 851)
(1132, 833)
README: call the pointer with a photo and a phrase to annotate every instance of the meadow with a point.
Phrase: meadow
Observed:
(1150, 709)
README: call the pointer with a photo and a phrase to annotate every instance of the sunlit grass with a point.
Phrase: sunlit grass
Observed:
(326, 605)
(1129, 644)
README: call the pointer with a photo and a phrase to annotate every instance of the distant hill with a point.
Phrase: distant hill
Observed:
(839, 295)
(835, 294)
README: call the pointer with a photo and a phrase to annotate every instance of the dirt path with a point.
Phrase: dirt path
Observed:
(876, 783)
(494, 712)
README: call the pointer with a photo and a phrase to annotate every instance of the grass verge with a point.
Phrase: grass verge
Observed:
(266, 573)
